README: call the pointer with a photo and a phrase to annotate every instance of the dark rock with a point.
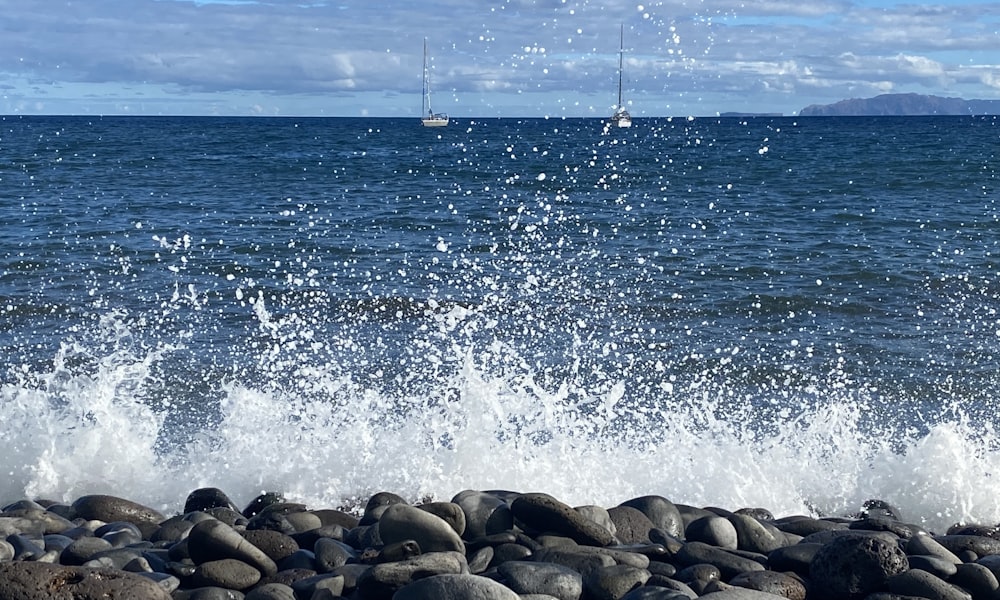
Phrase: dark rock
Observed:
(479, 560)
(274, 544)
(398, 551)
(81, 550)
(977, 579)
(207, 593)
(933, 565)
(400, 522)
(331, 516)
(632, 526)
(613, 582)
(376, 506)
(43, 581)
(455, 587)
(925, 544)
(982, 546)
(542, 512)
(713, 530)
(772, 582)
(581, 562)
(506, 552)
(662, 512)
(755, 535)
(331, 553)
(803, 526)
(449, 512)
(301, 559)
(227, 573)
(795, 558)
(331, 584)
(853, 566)
(111, 508)
(209, 497)
(383, 580)
(261, 502)
(524, 577)
(271, 591)
(214, 540)
(652, 592)
(485, 514)
(728, 563)
(916, 582)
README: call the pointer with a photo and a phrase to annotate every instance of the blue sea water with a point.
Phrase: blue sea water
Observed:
(794, 313)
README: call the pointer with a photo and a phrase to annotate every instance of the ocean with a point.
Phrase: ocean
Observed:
(793, 313)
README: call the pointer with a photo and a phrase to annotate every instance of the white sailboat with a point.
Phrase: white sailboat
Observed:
(621, 117)
(429, 118)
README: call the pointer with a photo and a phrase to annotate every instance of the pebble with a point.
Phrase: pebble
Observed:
(482, 545)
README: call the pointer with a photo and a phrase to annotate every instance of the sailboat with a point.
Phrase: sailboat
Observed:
(621, 118)
(430, 118)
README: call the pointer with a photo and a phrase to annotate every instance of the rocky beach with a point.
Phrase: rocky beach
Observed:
(481, 545)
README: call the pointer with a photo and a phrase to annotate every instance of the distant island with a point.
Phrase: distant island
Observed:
(902, 105)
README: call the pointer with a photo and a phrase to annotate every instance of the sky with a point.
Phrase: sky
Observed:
(489, 58)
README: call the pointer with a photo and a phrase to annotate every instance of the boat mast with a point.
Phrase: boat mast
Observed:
(425, 106)
(621, 63)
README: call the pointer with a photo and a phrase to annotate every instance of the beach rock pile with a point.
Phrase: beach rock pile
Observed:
(482, 545)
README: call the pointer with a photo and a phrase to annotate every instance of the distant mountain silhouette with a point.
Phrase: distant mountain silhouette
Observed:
(903, 104)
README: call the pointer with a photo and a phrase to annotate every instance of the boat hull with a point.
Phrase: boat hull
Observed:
(434, 121)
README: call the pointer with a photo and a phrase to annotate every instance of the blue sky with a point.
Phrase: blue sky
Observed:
(490, 57)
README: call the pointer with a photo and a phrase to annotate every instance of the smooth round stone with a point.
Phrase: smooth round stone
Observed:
(713, 530)
(542, 512)
(599, 515)
(654, 592)
(485, 514)
(271, 591)
(795, 558)
(173, 529)
(772, 582)
(662, 512)
(755, 535)
(455, 587)
(332, 516)
(301, 559)
(43, 581)
(398, 551)
(916, 582)
(120, 533)
(977, 579)
(933, 565)
(207, 593)
(581, 562)
(313, 587)
(632, 526)
(81, 550)
(259, 503)
(611, 583)
(376, 506)
(209, 497)
(506, 552)
(25, 548)
(729, 564)
(21, 526)
(214, 540)
(851, 567)
(802, 526)
(738, 593)
(274, 544)
(401, 522)
(331, 553)
(449, 512)
(529, 577)
(227, 572)
(479, 560)
(111, 508)
(982, 546)
(382, 580)
(925, 544)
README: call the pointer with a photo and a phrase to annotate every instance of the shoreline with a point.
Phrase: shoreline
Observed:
(482, 545)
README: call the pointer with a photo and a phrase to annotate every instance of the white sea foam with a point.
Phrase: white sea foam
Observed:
(336, 438)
